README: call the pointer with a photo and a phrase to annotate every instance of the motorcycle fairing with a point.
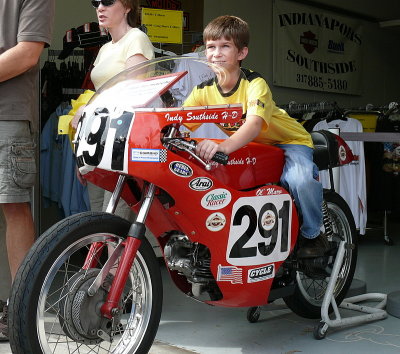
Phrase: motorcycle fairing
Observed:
(102, 138)
(145, 158)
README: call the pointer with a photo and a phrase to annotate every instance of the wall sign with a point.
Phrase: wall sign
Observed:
(316, 50)
(163, 26)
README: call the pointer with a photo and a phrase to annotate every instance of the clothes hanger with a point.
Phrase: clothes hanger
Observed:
(336, 114)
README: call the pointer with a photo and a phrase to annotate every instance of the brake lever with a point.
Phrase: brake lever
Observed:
(187, 146)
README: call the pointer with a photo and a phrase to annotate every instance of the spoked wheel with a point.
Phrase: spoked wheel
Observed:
(51, 309)
(312, 282)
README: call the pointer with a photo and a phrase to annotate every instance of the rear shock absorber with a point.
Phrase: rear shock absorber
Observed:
(327, 221)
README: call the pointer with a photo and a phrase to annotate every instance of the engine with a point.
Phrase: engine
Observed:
(192, 260)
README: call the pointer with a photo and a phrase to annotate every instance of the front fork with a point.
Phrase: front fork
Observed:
(126, 249)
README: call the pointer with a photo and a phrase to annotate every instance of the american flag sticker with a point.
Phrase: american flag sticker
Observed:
(228, 273)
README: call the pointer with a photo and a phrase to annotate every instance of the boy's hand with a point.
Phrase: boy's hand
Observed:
(206, 149)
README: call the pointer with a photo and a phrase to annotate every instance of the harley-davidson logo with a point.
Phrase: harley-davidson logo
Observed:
(308, 41)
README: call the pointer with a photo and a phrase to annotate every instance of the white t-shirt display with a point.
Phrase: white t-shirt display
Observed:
(198, 73)
(352, 179)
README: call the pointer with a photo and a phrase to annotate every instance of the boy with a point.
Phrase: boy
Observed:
(226, 40)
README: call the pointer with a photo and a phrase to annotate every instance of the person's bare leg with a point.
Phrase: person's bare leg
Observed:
(20, 233)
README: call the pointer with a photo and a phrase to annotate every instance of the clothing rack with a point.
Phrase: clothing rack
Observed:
(56, 52)
(323, 106)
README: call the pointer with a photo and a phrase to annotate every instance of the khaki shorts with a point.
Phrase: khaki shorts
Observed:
(17, 161)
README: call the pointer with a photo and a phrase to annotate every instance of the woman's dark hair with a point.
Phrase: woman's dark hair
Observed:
(133, 15)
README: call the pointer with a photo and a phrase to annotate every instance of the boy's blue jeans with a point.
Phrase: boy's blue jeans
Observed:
(299, 176)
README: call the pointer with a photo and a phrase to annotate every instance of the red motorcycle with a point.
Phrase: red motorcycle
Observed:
(227, 229)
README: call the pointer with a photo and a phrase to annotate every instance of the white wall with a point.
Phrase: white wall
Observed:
(381, 74)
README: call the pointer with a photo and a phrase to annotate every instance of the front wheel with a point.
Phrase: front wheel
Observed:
(51, 310)
(306, 301)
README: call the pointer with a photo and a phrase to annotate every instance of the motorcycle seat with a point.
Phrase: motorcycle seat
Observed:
(325, 149)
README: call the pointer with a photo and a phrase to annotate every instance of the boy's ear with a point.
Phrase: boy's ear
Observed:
(243, 53)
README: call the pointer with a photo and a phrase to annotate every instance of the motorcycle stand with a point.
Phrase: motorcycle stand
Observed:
(371, 313)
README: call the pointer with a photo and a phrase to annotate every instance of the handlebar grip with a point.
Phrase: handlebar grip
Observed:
(221, 158)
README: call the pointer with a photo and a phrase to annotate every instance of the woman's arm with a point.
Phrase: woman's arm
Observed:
(134, 59)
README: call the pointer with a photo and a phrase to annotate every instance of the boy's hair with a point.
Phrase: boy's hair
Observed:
(229, 27)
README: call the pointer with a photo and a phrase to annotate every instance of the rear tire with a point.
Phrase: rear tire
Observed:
(306, 301)
(40, 321)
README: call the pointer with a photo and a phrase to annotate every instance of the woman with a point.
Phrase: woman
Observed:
(129, 46)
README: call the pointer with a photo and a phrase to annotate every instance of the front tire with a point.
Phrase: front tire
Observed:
(306, 301)
(49, 309)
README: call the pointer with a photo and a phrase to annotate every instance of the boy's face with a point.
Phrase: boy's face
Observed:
(224, 52)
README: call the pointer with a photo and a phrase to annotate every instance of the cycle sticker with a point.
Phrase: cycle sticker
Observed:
(261, 273)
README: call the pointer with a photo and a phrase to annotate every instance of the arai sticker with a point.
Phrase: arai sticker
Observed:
(201, 184)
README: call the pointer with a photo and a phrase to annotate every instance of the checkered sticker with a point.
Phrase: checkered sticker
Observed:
(149, 155)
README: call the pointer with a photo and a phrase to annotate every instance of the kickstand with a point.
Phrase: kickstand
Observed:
(371, 313)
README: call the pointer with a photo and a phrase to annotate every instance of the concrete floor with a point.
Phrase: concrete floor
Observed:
(191, 327)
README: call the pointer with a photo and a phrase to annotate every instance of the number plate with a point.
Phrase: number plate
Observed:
(102, 140)
(260, 230)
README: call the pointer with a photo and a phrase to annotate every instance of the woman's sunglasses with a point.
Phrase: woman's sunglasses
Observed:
(96, 3)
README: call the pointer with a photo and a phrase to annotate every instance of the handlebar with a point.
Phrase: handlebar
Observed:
(221, 158)
(190, 146)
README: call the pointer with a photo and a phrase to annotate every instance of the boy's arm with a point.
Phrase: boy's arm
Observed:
(206, 149)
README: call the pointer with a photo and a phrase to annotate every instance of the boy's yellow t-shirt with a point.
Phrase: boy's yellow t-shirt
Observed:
(254, 94)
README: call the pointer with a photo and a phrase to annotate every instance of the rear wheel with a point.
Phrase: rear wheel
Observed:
(312, 282)
(51, 310)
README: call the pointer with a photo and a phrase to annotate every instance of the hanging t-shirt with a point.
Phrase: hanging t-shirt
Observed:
(352, 179)
(198, 72)
(112, 57)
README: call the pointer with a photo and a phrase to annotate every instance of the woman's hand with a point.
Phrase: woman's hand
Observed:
(75, 120)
